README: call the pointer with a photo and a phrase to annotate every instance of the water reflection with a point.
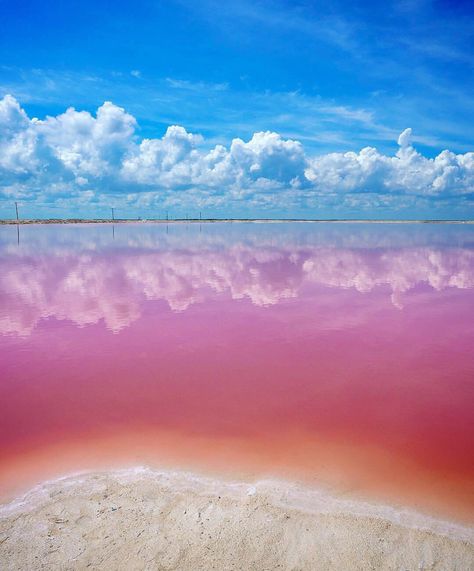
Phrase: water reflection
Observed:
(340, 352)
(85, 283)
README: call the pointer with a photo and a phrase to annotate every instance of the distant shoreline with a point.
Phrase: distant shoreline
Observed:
(217, 220)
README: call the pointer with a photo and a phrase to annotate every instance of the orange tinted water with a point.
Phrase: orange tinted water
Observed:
(335, 356)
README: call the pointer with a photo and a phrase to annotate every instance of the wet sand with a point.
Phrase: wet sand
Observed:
(140, 519)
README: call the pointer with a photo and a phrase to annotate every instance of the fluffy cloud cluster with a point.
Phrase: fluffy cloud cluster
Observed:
(100, 154)
(87, 288)
(408, 171)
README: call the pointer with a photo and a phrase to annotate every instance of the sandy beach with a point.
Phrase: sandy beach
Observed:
(143, 519)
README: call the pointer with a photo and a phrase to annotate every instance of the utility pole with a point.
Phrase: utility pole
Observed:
(16, 208)
(200, 217)
(166, 215)
(113, 217)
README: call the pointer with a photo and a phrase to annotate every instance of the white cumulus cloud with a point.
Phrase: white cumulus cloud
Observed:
(77, 152)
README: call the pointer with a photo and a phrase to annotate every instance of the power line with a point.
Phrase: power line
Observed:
(86, 210)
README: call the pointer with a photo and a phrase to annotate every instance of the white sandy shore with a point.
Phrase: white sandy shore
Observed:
(143, 519)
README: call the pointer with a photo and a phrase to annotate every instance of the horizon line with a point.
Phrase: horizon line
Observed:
(12, 221)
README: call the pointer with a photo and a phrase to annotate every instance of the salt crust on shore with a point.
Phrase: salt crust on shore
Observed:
(144, 519)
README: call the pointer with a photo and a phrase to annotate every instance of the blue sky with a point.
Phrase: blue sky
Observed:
(336, 77)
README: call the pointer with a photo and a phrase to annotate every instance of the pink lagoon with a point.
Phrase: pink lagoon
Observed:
(237, 285)
(335, 356)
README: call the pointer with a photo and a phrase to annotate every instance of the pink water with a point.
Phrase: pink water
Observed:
(334, 355)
